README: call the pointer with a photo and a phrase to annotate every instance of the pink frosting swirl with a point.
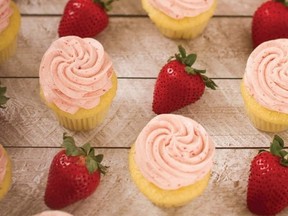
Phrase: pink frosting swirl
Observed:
(266, 75)
(75, 73)
(53, 213)
(3, 163)
(179, 9)
(5, 13)
(173, 151)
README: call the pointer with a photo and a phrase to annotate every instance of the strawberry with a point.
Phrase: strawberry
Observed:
(3, 98)
(84, 18)
(270, 21)
(267, 192)
(178, 84)
(74, 174)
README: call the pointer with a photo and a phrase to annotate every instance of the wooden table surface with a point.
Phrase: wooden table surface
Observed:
(32, 135)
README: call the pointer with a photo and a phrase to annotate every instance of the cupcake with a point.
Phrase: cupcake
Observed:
(53, 213)
(9, 28)
(171, 160)
(182, 18)
(77, 82)
(5, 173)
(265, 86)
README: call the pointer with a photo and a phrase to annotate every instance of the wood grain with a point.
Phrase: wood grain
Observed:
(133, 7)
(28, 122)
(117, 195)
(223, 49)
(32, 135)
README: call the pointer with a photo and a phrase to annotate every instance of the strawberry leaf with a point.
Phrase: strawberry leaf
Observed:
(86, 148)
(276, 148)
(69, 145)
(99, 158)
(92, 162)
(91, 165)
(190, 59)
(199, 71)
(92, 152)
(107, 5)
(103, 169)
(209, 82)
(178, 58)
(182, 51)
(190, 70)
(279, 140)
(3, 98)
(283, 153)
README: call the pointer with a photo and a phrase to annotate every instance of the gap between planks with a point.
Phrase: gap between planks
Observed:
(127, 148)
(132, 15)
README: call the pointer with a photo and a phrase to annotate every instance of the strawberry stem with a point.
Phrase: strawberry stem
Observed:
(189, 60)
(107, 5)
(3, 98)
(92, 161)
(277, 149)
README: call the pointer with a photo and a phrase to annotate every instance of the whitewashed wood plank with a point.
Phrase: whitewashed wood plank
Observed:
(117, 195)
(138, 49)
(133, 7)
(28, 122)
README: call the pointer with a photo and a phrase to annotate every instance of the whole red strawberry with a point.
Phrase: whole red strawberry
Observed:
(270, 21)
(84, 18)
(74, 174)
(178, 84)
(268, 181)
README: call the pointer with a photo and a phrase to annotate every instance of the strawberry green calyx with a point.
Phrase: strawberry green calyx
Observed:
(92, 162)
(277, 149)
(285, 2)
(3, 98)
(188, 61)
(107, 5)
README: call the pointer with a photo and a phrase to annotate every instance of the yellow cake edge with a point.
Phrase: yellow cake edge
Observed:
(7, 181)
(85, 119)
(165, 198)
(8, 37)
(261, 117)
(186, 28)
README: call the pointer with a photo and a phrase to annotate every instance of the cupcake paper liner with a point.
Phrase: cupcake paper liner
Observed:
(186, 28)
(165, 198)
(262, 118)
(85, 119)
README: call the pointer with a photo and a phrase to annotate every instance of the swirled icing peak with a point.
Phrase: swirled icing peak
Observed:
(3, 163)
(173, 151)
(53, 213)
(179, 9)
(266, 75)
(75, 73)
(5, 13)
